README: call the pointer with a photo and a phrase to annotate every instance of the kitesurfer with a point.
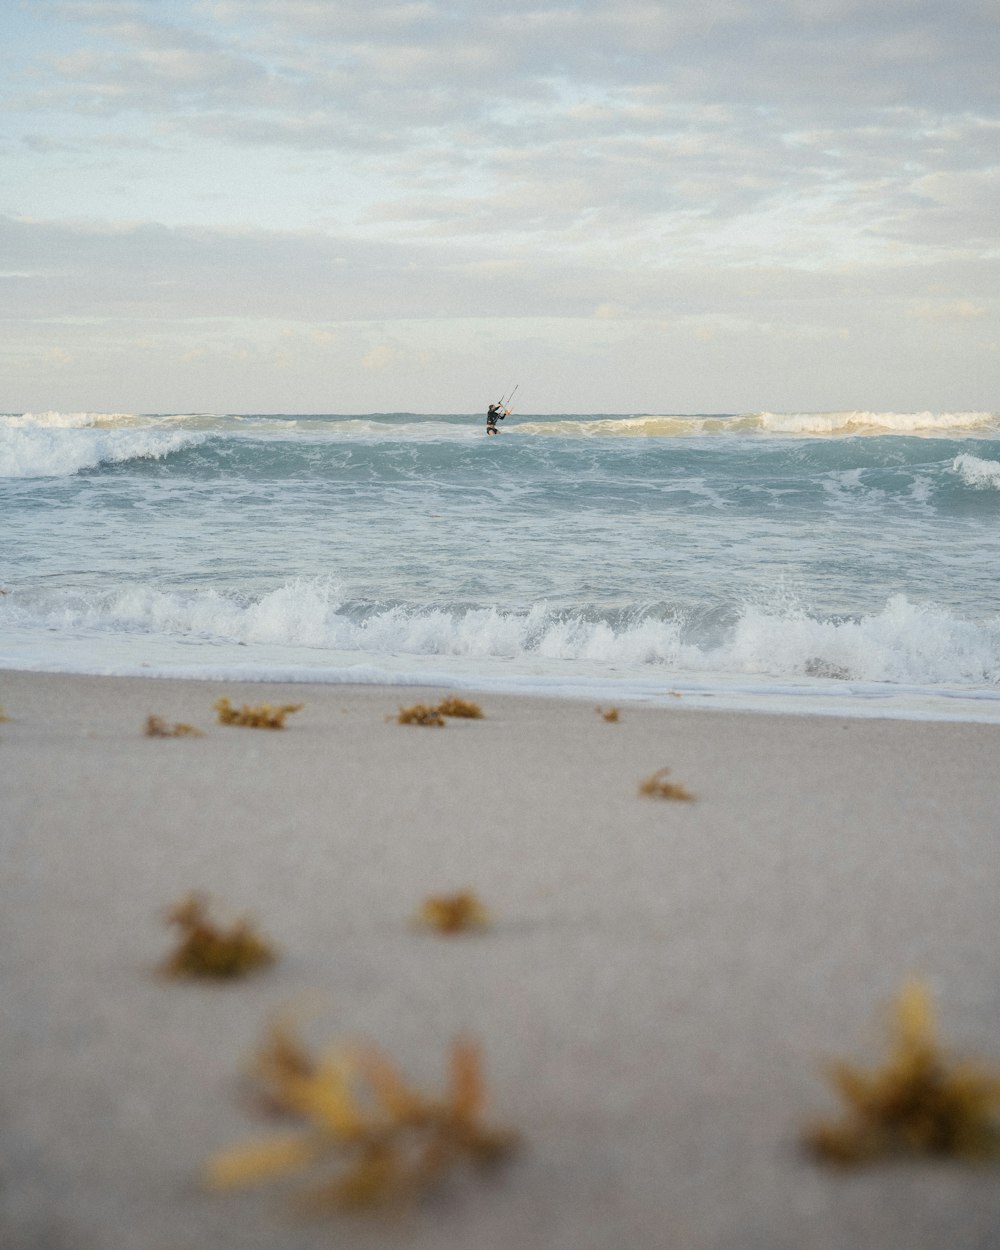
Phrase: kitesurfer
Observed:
(494, 414)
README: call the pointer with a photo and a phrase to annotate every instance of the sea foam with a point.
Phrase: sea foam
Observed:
(903, 643)
(59, 444)
(863, 422)
(976, 472)
(807, 424)
(67, 420)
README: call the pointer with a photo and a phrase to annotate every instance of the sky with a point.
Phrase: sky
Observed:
(620, 205)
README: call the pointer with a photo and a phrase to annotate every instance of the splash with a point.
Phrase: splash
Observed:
(60, 444)
(978, 473)
(902, 643)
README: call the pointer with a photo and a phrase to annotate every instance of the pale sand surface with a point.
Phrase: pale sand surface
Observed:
(655, 1001)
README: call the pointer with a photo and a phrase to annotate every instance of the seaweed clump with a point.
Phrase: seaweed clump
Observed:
(210, 951)
(3, 717)
(419, 714)
(610, 714)
(263, 716)
(658, 787)
(454, 913)
(157, 727)
(389, 1143)
(462, 708)
(920, 1102)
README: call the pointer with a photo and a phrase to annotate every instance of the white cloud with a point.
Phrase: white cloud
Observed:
(324, 163)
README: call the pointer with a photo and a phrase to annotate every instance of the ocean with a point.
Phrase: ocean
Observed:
(842, 563)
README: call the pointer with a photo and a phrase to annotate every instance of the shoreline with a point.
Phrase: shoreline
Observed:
(855, 700)
(656, 999)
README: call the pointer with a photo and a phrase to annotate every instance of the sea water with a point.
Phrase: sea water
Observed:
(839, 562)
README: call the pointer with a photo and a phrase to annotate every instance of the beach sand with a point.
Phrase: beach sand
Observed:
(655, 1001)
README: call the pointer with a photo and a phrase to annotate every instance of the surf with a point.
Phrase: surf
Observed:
(846, 424)
(57, 444)
(903, 642)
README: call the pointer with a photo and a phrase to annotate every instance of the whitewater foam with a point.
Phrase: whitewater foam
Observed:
(976, 472)
(903, 643)
(67, 420)
(625, 554)
(809, 424)
(59, 444)
(630, 427)
(859, 422)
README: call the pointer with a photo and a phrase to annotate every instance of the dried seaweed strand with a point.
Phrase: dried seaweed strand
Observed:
(207, 950)
(423, 714)
(157, 727)
(920, 1102)
(462, 708)
(657, 786)
(611, 715)
(419, 714)
(263, 716)
(454, 913)
(389, 1143)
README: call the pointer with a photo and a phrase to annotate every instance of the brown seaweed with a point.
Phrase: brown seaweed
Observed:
(454, 913)
(419, 714)
(460, 708)
(4, 719)
(387, 1142)
(921, 1102)
(263, 716)
(157, 727)
(422, 714)
(657, 786)
(207, 950)
(611, 715)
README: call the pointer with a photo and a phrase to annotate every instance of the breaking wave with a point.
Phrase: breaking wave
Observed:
(59, 444)
(978, 473)
(68, 420)
(904, 643)
(811, 424)
(921, 423)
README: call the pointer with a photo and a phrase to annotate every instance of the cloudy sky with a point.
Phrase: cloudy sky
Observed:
(623, 205)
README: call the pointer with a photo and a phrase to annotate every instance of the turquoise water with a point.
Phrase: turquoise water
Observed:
(830, 562)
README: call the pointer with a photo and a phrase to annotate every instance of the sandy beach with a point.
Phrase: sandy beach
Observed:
(660, 989)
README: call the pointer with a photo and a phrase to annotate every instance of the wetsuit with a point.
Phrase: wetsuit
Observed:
(493, 414)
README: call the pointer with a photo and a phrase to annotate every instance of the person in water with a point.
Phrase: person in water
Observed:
(494, 414)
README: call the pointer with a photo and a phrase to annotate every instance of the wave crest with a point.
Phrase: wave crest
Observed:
(860, 422)
(811, 424)
(904, 643)
(61, 444)
(976, 472)
(67, 420)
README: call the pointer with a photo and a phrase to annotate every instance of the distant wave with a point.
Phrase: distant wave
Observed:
(925, 423)
(632, 427)
(812, 424)
(978, 473)
(68, 420)
(903, 643)
(55, 443)
(59, 444)
(371, 430)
